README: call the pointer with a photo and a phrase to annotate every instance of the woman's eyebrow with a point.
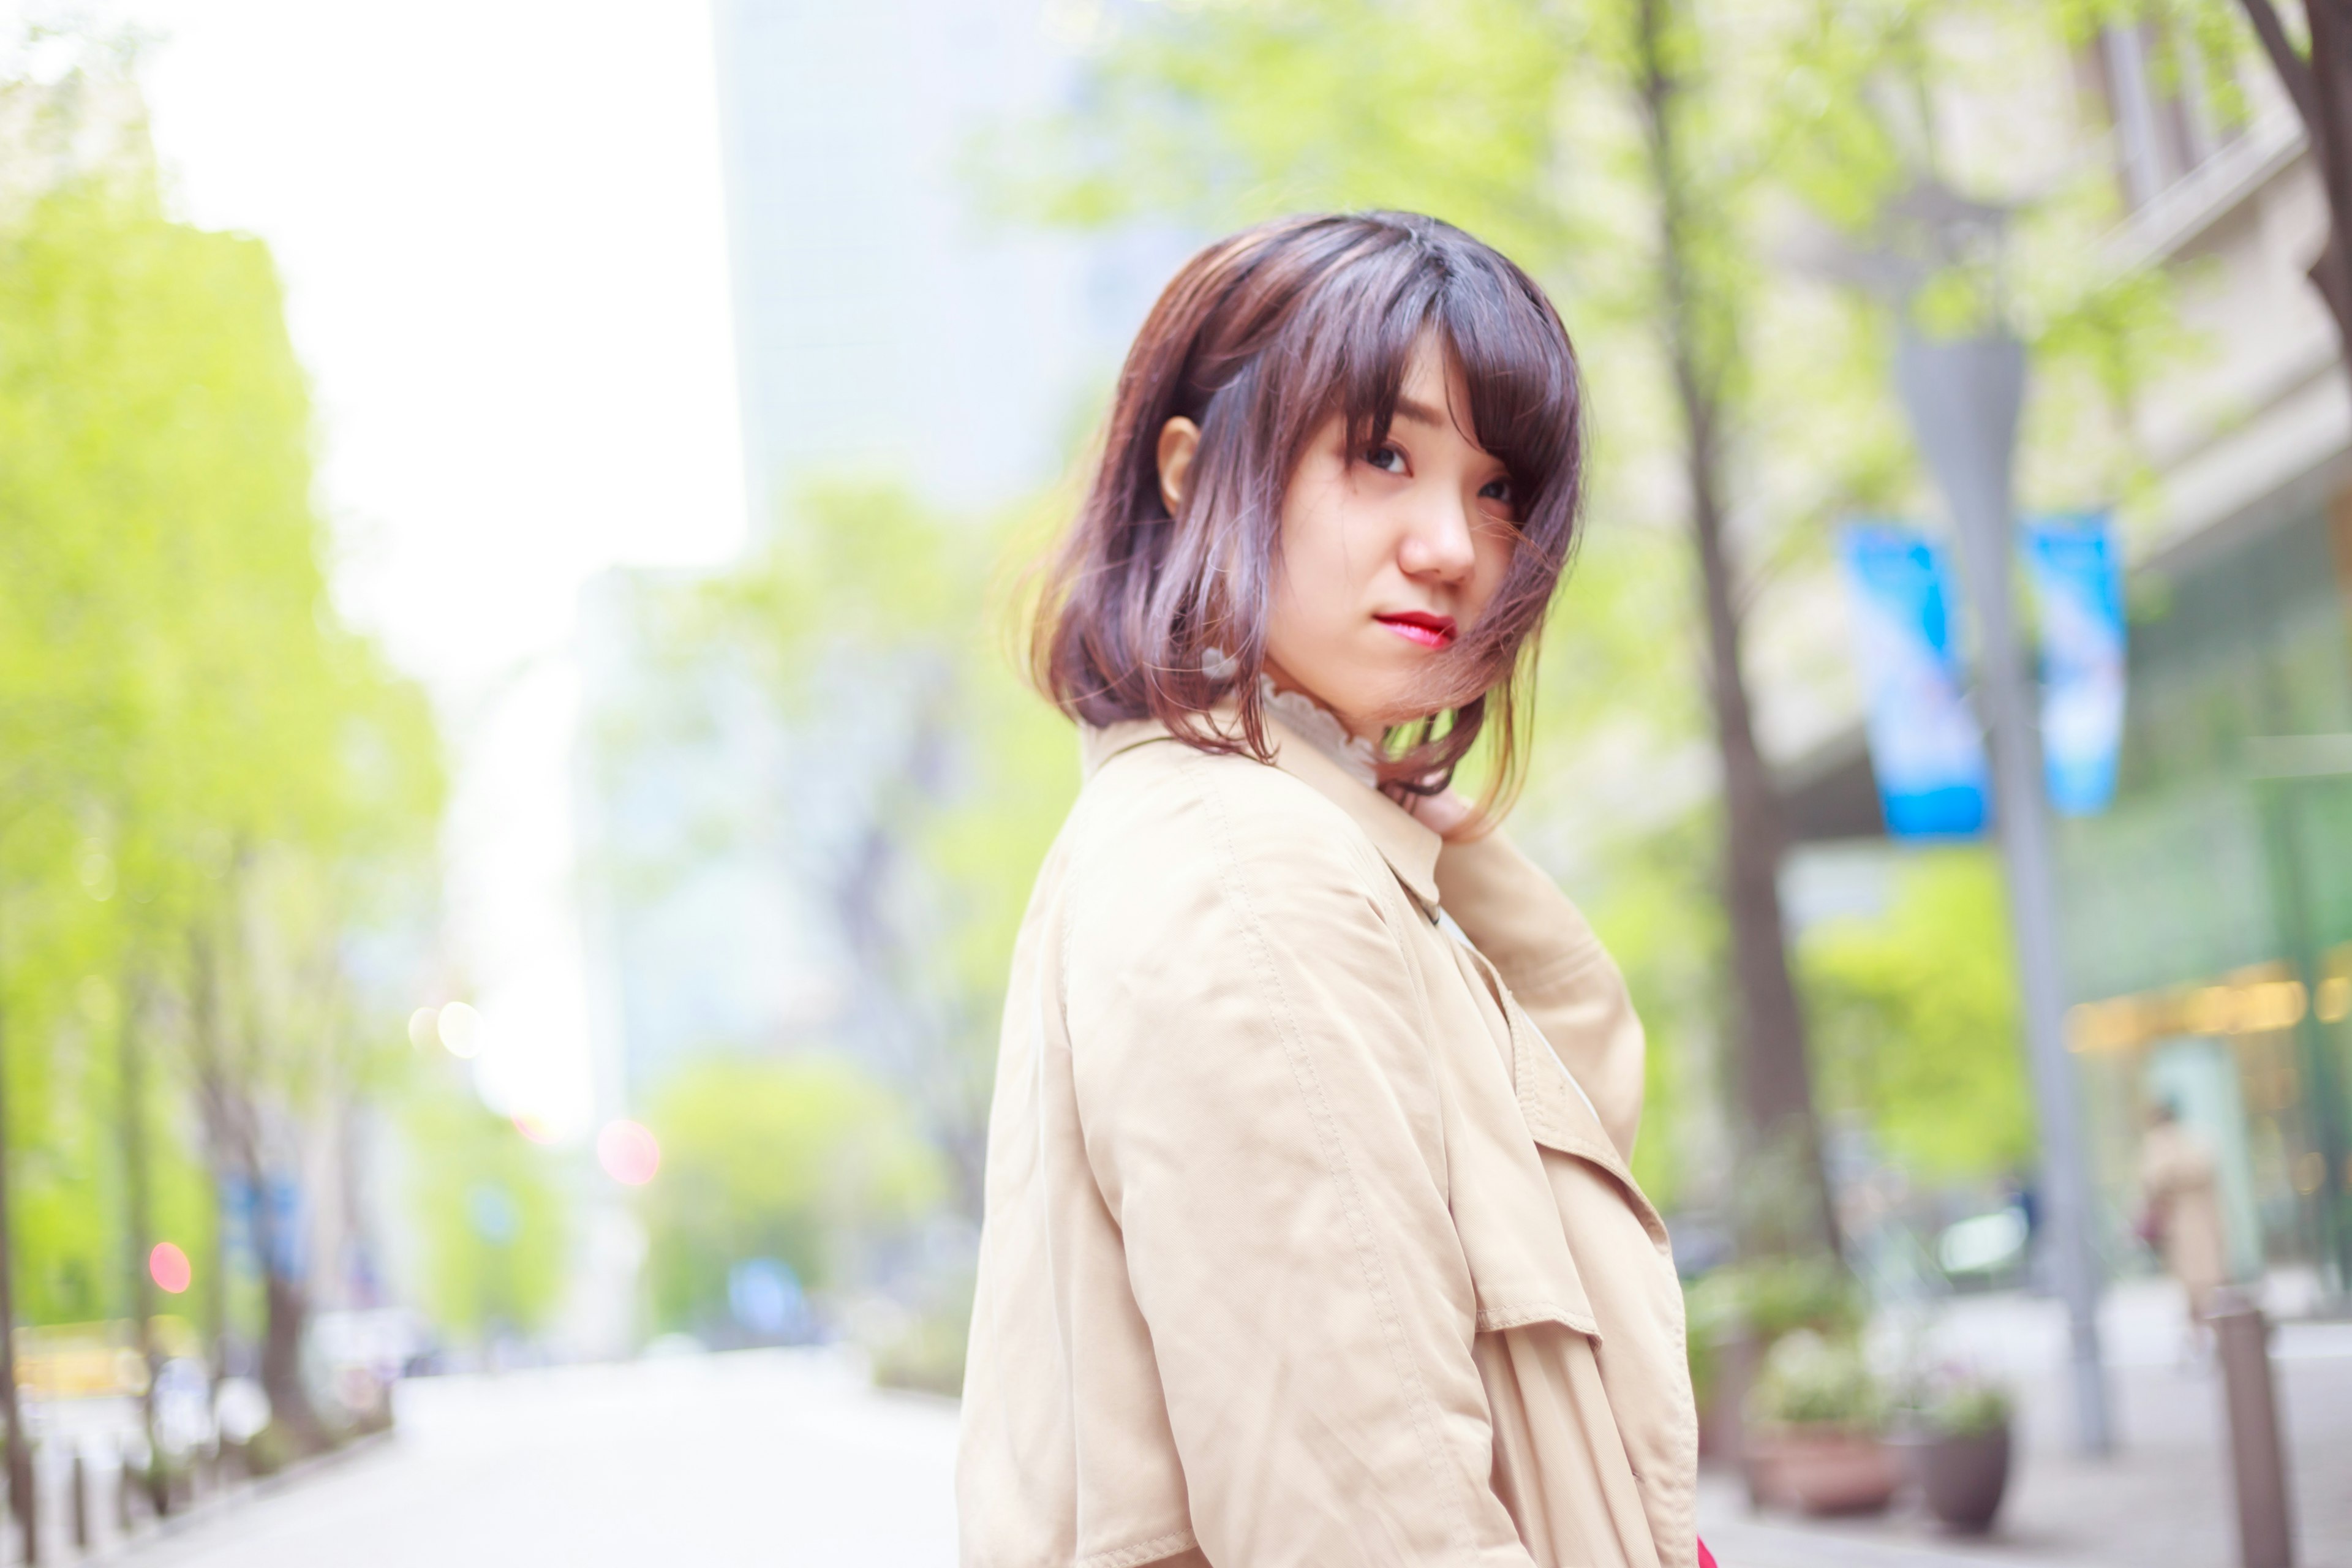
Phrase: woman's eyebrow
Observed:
(1422, 414)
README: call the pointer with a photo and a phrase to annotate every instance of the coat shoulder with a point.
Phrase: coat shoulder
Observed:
(1165, 817)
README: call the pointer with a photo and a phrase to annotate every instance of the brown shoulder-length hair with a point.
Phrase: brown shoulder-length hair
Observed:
(1260, 340)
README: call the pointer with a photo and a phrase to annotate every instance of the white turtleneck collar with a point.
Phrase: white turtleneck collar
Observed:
(1313, 723)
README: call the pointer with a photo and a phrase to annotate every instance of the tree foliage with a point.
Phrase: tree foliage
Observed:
(491, 1218)
(217, 805)
(1915, 1021)
(807, 1161)
(878, 623)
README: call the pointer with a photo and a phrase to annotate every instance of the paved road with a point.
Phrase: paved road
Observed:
(787, 1459)
(784, 1459)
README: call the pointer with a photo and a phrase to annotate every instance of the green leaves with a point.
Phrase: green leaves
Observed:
(1915, 1021)
(490, 1214)
(805, 1158)
(1219, 115)
(194, 752)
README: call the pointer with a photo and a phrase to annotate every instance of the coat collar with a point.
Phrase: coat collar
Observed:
(1408, 846)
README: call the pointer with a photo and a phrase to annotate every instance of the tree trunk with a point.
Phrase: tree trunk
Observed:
(234, 1114)
(204, 1010)
(132, 1087)
(2331, 144)
(286, 1308)
(2320, 86)
(22, 1502)
(1791, 1210)
(282, 1361)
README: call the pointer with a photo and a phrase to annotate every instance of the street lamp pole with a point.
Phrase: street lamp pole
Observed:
(1963, 398)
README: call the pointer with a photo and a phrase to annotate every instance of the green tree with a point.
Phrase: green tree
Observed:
(866, 614)
(490, 1214)
(212, 788)
(1915, 1025)
(805, 1160)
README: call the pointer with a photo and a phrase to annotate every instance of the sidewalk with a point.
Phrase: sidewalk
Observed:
(2162, 1500)
(749, 1457)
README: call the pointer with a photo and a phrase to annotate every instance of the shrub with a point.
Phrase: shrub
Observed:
(1954, 1402)
(1810, 1380)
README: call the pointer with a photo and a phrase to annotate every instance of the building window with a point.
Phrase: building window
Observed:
(2157, 91)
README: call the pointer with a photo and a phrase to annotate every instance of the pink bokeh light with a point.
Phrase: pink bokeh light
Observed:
(169, 1268)
(628, 1152)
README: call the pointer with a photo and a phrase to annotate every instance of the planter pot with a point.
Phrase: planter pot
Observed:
(1962, 1478)
(1824, 1470)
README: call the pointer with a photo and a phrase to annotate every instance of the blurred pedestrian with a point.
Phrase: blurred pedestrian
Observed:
(2180, 1210)
(2026, 1200)
(1307, 1209)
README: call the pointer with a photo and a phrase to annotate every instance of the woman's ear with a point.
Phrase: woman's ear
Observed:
(1178, 439)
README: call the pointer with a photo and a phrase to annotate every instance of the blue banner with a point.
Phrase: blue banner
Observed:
(239, 1230)
(1925, 743)
(2075, 562)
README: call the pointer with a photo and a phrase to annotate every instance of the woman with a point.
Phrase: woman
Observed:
(1310, 1236)
(2180, 1211)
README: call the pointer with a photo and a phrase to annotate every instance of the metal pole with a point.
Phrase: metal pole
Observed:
(2257, 1457)
(1963, 399)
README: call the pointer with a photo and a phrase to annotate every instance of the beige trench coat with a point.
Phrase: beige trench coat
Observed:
(2182, 1188)
(1302, 1245)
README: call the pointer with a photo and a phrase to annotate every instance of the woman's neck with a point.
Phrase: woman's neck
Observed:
(1274, 679)
(1308, 718)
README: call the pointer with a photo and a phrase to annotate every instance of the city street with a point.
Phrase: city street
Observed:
(757, 1457)
(787, 1458)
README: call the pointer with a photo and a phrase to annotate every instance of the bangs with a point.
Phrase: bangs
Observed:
(1354, 340)
(1513, 355)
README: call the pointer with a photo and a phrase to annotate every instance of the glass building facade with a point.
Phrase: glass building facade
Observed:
(2209, 911)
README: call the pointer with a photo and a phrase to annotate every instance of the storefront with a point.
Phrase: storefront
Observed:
(2207, 911)
(2208, 924)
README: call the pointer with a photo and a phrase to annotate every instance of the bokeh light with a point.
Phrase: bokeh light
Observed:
(421, 1027)
(628, 1153)
(169, 1268)
(461, 1030)
(534, 1127)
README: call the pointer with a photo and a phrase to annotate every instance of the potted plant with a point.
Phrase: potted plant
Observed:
(1954, 1427)
(1816, 1424)
(1737, 1312)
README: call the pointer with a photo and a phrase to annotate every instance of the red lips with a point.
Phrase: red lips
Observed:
(1419, 626)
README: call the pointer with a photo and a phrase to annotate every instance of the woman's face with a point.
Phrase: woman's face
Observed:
(1389, 554)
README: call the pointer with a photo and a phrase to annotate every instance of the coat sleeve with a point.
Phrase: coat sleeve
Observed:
(1557, 968)
(1261, 1118)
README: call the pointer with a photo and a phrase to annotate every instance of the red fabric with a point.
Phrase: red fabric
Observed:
(1705, 1557)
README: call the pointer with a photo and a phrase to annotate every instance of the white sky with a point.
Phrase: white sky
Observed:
(501, 228)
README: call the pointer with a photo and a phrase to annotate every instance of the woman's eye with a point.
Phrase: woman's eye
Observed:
(1388, 459)
(1502, 492)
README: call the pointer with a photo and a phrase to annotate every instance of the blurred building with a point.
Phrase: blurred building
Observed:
(890, 319)
(889, 329)
(694, 940)
(2208, 919)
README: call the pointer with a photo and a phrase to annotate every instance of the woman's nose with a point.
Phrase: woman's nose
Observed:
(1438, 545)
